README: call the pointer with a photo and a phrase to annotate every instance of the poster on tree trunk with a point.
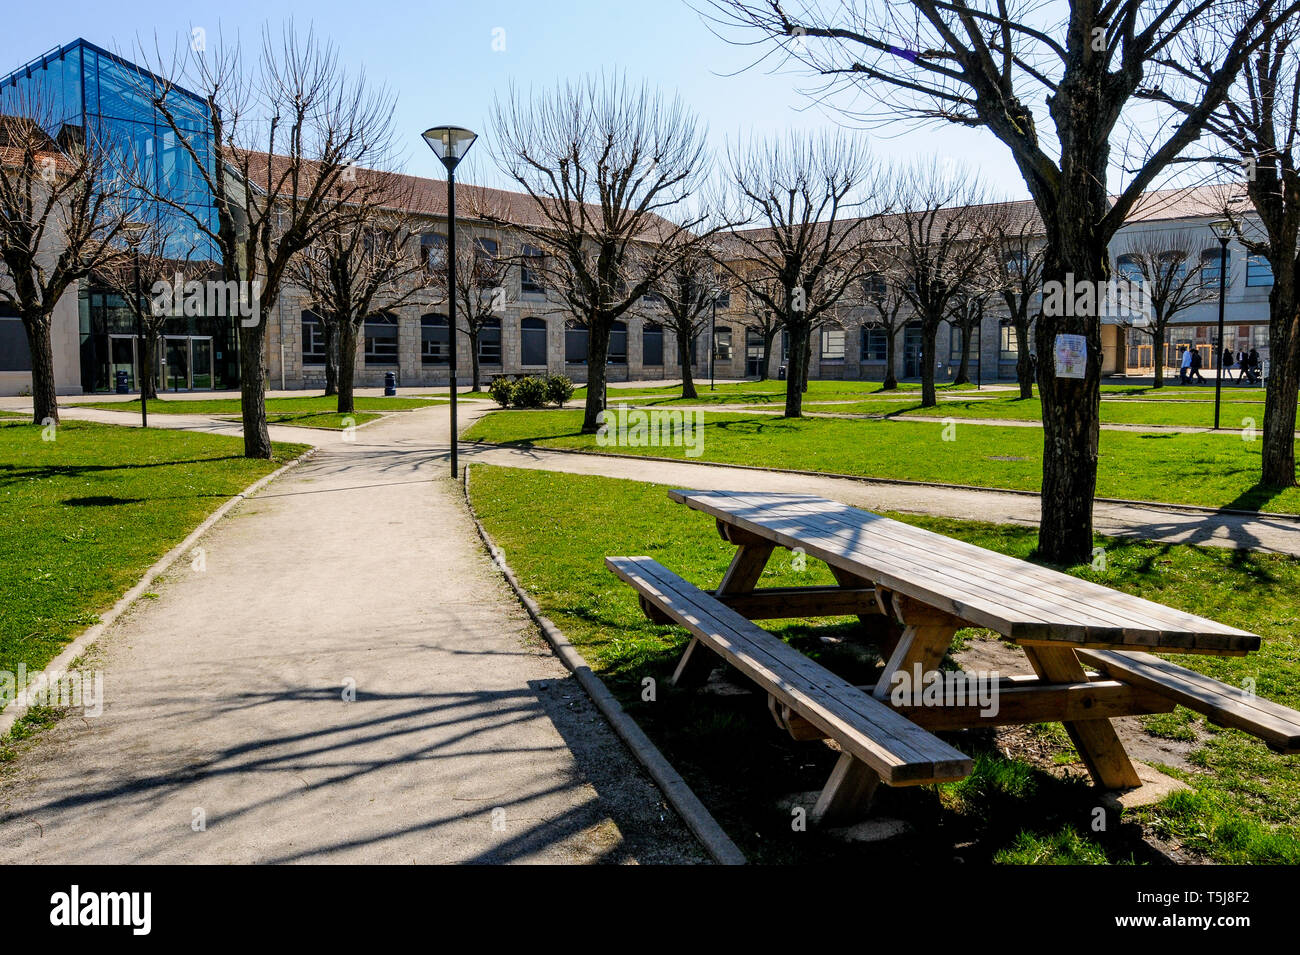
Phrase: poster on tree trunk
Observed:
(1071, 355)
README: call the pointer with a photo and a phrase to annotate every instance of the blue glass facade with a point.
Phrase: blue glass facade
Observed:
(82, 90)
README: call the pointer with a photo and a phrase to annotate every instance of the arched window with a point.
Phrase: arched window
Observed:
(575, 342)
(618, 344)
(1211, 259)
(722, 343)
(434, 340)
(1128, 267)
(1259, 271)
(532, 342)
(652, 344)
(433, 251)
(381, 339)
(530, 271)
(489, 342)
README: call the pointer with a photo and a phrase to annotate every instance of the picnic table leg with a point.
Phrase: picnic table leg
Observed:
(746, 568)
(847, 794)
(927, 635)
(880, 628)
(1096, 740)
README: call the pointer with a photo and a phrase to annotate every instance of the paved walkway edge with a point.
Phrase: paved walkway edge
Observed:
(678, 792)
(864, 479)
(16, 710)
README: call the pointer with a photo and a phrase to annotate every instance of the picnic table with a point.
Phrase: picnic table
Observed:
(912, 589)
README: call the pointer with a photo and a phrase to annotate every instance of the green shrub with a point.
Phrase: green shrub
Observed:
(500, 391)
(528, 392)
(559, 389)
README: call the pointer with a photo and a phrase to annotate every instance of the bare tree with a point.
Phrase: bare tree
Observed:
(1258, 129)
(758, 317)
(884, 296)
(607, 165)
(1018, 237)
(1172, 273)
(807, 196)
(687, 292)
(966, 316)
(1053, 85)
(287, 134)
(363, 263)
(62, 211)
(157, 260)
(937, 242)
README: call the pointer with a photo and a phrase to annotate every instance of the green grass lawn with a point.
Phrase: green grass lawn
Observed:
(1127, 411)
(556, 530)
(1209, 470)
(311, 404)
(327, 420)
(744, 392)
(83, 516)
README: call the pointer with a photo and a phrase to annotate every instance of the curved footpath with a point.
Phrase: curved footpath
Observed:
(225, 735)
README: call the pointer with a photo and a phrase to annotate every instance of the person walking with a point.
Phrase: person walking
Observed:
(1194, 368)
(1226, 358)
(1252, 363)
(1185, 365)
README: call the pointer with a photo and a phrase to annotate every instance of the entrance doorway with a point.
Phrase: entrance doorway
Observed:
(753, 354)
(121, 357)
(912, 350)
(185, 363)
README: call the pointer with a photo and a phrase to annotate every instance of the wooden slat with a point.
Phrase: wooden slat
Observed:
(1049, 703)
(1225, 705)
(1018, 599)
(901, 752)
(774, 603)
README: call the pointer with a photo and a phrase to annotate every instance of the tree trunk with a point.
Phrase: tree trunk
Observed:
(330, 331)
(252, 390)
(347, 368)
(1278, 465)
(597, 353)
(796, 370)
(1071, 419)
(473, 334)
(963, 376)
(769, 340)
(1158, 357)
(45, 400)
(684, 360)
(149, 362)
(1024, 363)
(891, 354)
(929, 344)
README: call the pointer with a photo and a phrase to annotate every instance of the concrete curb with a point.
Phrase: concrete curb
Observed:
(693, 812)
(862, 479)
(15, 710)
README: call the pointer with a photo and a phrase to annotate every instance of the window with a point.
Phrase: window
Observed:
(434, 340)
(313, 339)
(381, 339)
(489, 342)
(1210, 260)
(1017, 265)
(1009, 343)
(833, 340)
(954, 345)
(486, 271)
(14, 353)
(875, 343)
(722, 344)
(618, 344)
(873, 286)
(530, 271)
(575, 342)
(652, 344)
(532, 342)
(433, 251)
(1128, 267)
(724, 298)
(1259, 271)
(1173, 264)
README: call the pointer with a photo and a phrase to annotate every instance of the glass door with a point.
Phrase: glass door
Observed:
(175, 368)
(121, 357)
(912, 350)
(201, 364)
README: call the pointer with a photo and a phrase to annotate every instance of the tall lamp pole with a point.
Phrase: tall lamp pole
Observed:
(713, 341)
(1223, 232)
(450, 144)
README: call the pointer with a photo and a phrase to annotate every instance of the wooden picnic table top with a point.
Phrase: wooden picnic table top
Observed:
(1024, 602)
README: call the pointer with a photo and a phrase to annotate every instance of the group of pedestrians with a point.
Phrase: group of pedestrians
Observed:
(1247, 365)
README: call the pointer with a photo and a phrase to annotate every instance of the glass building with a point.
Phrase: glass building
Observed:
(82, 92)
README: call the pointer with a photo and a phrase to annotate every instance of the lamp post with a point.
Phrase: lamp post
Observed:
(713, 339)
(1223, 232)
(450, 144)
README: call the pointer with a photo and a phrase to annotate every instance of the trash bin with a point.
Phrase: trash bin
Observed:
(390, 385)
(780, 372)
(122, 385)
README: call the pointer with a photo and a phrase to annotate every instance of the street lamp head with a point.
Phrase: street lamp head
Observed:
(1222, 229)
(449, 143)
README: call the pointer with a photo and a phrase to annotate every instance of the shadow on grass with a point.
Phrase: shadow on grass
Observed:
(100, 500)
(12, 473)
(1256, 497)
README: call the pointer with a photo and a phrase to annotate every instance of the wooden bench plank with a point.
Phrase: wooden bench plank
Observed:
(1222, 704)
(1021, 600)
(891, 745)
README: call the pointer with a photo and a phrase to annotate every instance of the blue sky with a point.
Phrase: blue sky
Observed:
(439, 58)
